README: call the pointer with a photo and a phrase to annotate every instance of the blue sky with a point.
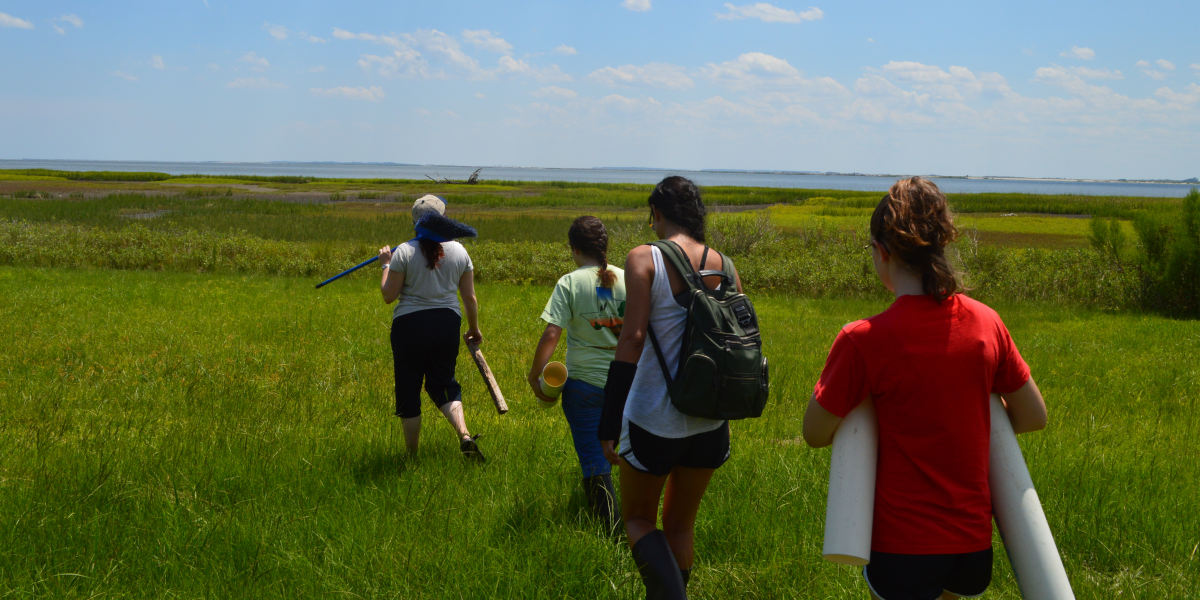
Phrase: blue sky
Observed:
(1065, 89)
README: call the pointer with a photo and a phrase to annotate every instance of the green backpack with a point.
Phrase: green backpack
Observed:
(722, 372)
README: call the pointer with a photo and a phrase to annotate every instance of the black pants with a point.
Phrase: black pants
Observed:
(425, 348)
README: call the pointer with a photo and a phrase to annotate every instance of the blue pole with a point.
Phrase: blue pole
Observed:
(348, 271)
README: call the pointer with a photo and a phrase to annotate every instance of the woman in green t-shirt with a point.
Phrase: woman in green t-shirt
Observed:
(589, 303)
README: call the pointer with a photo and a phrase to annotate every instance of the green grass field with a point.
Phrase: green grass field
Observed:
(184, 435)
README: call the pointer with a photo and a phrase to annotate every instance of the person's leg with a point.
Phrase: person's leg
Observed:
(409, 374)
(640, 494)
(582, 404)
(440, 359)
(685, 489)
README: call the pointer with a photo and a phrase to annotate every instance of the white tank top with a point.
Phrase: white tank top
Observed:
(648, 404)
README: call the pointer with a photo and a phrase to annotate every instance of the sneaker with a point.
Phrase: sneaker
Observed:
(470, 449)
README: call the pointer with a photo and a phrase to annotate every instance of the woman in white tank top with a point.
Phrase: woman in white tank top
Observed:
(660, 446)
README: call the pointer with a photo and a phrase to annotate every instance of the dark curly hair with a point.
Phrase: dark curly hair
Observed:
(914, 223)
(588, 236)
(680, 203)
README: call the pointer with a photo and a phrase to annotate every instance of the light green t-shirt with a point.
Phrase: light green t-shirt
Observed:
(592, 317)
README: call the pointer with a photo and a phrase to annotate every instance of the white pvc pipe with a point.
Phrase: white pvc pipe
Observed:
(850, 509)
(1018, 513)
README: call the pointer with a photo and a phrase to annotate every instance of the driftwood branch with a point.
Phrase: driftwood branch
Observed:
(472, 180)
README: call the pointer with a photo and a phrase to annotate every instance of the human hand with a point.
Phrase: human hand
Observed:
(537, 391)
(385, 255)
(610, 451)
(473, 336)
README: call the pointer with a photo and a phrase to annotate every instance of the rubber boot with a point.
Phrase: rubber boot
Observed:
(602, 501)
(660, 573)
(686, 574)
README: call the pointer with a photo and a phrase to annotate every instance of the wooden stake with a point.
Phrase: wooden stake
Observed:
(489, 380)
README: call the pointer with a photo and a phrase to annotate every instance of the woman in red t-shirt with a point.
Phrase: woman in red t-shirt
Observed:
(929, 363)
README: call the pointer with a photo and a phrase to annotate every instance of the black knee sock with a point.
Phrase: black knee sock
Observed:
(656, 563)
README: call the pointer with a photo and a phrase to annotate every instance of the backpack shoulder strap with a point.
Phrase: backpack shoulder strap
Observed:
(679, 259)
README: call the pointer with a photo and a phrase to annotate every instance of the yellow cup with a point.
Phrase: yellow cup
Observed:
(554, 377)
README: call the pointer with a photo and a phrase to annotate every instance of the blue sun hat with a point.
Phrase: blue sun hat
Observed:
(439, 228)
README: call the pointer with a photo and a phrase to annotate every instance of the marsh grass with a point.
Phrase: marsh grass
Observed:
(184, 435)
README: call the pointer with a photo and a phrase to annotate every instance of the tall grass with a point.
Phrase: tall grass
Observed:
(184, 435)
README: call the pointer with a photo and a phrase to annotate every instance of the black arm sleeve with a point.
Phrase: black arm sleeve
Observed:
(616, 390)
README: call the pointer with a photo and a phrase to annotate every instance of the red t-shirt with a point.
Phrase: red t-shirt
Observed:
(930, 369)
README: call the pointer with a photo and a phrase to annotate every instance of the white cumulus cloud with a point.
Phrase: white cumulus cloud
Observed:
(156, 61)
(1080, 53)
(1144, 65)
(124, 75)
(278, 32)
(755, 69)
(769, 13)
(71, 19)
(255, 61)
(656, 75)
(565, 49)
(373, 93)
(1165, 64)
(636, 5)
(486, 40)
(317, 69)
(554, 91)
(254, 83)
(7, 20)
(513, 66)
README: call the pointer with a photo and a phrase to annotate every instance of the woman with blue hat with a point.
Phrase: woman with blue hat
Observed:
(425, 277)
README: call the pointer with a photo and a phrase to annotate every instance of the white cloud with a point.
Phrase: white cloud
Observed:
(770, 14)
(630, 104)
(1191, 96)
(156, 61)
(636, 5)
(124, 75)
(278, 32)
(755, 69)
(872, 40)
(554, 91)
(1165, 64)
(1104, 73)
(7, 20)
(317, 69)
(1080, 53)
(255, 83)
(512, 66)
(255, 61)
(656, 75)
(565, 49)
(373, 93)
(486, 40)
(72, 19)
(1151, 73)
(480, 95)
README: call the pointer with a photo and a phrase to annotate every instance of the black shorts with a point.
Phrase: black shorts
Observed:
(926, 576)
(425, 349)
(656, 455)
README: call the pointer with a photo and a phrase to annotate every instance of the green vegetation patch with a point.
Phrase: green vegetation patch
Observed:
(191, 435)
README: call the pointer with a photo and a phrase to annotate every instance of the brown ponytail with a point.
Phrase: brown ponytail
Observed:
(432, 251)
(913, 222)
(588, 236)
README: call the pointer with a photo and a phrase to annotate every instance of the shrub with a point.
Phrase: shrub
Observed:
(1170, 259)
(1107, 238)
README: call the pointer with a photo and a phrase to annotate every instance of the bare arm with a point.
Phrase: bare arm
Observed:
(466, 289)
(819, 424)
(541, 356)
(639, 275)
(392, 283)
(1026, 408)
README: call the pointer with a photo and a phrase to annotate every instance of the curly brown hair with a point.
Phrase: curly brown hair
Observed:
(914, 223)
(590, 238)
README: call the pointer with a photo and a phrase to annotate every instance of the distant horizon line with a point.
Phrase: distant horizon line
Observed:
(1192, 180)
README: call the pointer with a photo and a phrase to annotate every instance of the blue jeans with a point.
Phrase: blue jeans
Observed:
(582, 403)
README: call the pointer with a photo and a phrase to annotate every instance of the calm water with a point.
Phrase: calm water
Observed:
(777, 180)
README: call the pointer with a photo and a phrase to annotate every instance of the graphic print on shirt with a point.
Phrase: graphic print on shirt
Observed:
(610, 315)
